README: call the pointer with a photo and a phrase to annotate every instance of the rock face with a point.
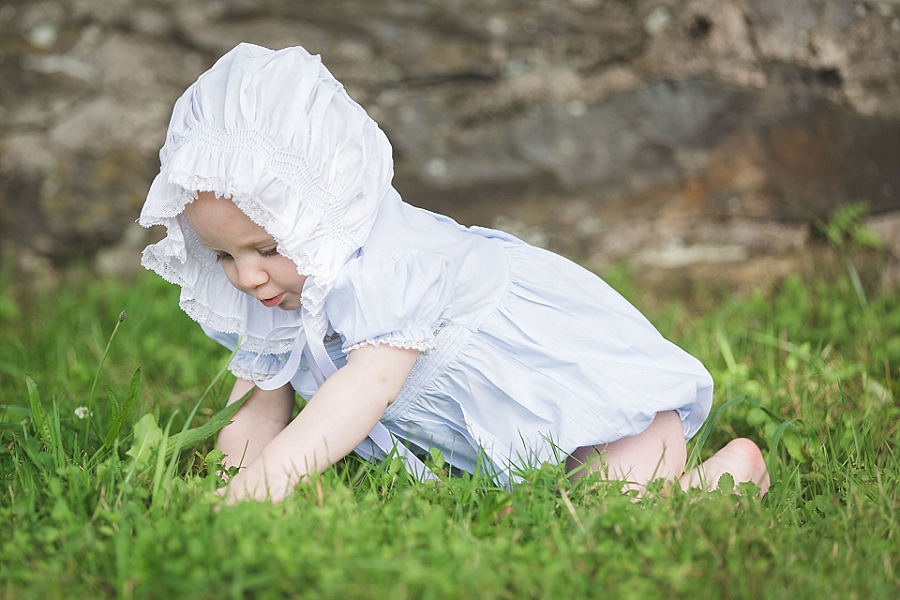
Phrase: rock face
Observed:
(607, 123)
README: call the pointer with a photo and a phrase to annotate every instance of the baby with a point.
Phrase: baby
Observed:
(405, 330)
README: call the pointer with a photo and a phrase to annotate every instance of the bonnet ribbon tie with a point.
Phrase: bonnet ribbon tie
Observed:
(322, 368)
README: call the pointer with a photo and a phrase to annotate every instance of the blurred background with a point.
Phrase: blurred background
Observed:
(671, 134)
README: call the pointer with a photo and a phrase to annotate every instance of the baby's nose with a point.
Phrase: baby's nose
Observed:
(251, 276)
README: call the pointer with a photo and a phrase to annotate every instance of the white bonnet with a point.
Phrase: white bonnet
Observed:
(276, 132)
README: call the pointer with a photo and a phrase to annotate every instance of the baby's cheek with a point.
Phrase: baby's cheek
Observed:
(231, 273)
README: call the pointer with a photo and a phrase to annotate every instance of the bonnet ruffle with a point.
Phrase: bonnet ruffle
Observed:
(277, 133)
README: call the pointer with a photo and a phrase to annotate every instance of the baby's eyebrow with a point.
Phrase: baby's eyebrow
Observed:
(257, 242)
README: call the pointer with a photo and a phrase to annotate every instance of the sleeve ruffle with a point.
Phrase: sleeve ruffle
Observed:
(268, 366)
(398, 298)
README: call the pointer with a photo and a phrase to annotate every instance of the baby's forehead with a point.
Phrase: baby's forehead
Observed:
(217, 217)
(205, 197)
(207, 205)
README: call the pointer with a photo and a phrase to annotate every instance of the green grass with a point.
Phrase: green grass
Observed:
(808, 371)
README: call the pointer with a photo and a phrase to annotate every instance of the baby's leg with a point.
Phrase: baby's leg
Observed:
(657, 452)
(740, 457)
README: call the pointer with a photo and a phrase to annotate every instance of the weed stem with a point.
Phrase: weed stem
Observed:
(89, 422)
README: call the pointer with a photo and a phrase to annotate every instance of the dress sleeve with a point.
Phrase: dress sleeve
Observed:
(392, 297)
(268, 366)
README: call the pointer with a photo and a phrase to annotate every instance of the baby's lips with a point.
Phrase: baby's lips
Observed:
(273, 301)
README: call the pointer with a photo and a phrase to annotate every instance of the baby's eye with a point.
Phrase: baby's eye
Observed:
(220, 256)
(269, 251)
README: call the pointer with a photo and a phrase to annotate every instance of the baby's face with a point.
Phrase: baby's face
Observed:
(249, 255)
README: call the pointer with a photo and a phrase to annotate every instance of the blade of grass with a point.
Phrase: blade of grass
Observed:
(134, 390)
(13, 409)
(772, 461)
(725, 348)
(113, 401)
(38, 416)
(857, 285)
(90, 422)
(160, 463)
(32, 454)
(191, 437)
(57, 445)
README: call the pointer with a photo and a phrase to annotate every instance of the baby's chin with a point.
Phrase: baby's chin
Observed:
(290, 302)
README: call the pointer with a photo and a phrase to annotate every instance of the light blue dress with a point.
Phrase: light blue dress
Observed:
(526, 356)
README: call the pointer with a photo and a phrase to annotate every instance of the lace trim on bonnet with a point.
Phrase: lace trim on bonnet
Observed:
(275, 132)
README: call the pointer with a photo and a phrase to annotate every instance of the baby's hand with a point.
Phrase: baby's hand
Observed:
(252, 485)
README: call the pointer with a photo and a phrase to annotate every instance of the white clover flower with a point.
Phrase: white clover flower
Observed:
(82, 411)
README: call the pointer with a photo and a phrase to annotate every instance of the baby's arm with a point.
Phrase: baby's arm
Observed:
(263, 416)
(337, 419)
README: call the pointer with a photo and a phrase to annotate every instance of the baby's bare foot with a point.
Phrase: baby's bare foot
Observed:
(741, 458)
